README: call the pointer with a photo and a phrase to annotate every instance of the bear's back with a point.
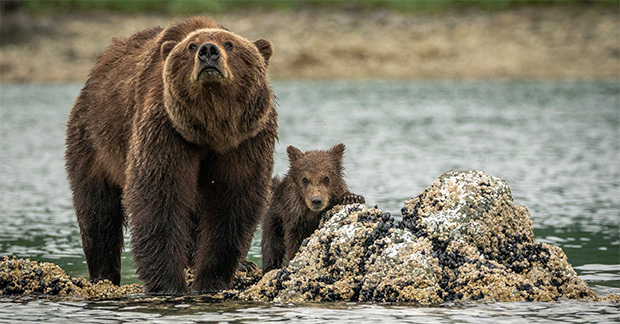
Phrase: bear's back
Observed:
(125, 56)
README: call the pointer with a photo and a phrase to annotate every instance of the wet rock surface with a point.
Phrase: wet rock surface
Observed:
(461, 239)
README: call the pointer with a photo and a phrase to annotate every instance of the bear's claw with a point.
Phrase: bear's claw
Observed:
(352, 199)
(247, 266)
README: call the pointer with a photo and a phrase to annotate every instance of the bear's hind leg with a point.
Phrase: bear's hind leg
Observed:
(100, 217)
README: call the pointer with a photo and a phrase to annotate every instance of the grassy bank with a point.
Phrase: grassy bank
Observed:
(220, 6)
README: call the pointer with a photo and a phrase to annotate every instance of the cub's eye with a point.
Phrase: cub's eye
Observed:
(326, 180)
(192, 47)
(305, 181)
(228, 46)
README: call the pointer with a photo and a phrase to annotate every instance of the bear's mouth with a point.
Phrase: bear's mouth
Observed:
(316, 209)
(209, 73)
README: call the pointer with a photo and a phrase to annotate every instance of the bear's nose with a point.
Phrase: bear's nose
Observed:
(316, 201)
(208, 52)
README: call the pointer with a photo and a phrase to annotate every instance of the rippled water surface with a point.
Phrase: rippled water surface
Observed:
(557, 144)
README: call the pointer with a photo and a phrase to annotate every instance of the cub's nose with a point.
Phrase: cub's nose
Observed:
(208, 52)
(316, 201)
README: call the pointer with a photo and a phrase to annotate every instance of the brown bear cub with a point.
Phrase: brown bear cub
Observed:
(174, 134)
(313, 184)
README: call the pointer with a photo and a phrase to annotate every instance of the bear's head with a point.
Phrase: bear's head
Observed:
(215, 83)
(211, 56)
(318, 176)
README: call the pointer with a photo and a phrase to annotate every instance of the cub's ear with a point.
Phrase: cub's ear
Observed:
(294, 153)
(166, 48)
(265, 48)
(338, 151)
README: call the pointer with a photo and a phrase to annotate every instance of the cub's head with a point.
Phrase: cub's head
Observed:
(210, 56)
(318, 176)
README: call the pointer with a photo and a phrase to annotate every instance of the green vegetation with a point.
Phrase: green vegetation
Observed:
(197, 6)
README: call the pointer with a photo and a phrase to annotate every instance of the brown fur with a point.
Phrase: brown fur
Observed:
(187, 153)
(313, 184)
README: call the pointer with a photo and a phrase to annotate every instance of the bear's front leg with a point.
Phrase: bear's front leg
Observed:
(160, 195)
(229, 215)
(272, 242)
(233, 197)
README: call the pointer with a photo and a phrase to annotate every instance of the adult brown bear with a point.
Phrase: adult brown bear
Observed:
(175, 128)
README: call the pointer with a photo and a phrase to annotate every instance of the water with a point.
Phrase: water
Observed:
(557, 144)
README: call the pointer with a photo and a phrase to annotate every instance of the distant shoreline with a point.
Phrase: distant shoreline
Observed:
(524, 43)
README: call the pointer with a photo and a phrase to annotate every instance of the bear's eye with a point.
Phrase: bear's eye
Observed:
(305, 181)
(326, 180)
(192, 47)
(228, 46)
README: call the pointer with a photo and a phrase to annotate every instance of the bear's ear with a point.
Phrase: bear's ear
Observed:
(338, 151)
(265, 48)
(166, 48)
(294, 153)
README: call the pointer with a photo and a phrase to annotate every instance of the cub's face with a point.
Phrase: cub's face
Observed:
(214, 56)
(317, 175)
(315, 189)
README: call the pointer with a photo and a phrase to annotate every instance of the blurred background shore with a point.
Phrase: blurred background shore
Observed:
(59, 41)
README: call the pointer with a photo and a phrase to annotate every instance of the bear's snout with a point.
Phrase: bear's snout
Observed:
(209, 53)
(210, 66)
(316, 201)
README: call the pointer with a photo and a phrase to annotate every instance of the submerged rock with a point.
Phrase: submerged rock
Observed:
(461, 239)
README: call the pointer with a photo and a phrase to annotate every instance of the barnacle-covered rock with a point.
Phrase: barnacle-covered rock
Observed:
(462, 238)
(25, 277)
(485, 243)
